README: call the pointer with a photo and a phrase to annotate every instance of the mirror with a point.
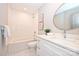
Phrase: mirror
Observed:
(67, 17)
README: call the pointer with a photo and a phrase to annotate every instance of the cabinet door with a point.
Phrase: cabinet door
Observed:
(59, 50)
(46, 47)
(44, 50)
(41, 49)
(51, 49)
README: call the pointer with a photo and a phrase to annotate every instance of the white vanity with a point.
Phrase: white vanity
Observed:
(66, 19)
(56, 46)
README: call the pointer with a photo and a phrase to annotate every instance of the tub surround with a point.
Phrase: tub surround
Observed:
(71, 44)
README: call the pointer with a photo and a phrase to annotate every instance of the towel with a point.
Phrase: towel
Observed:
(7, 33)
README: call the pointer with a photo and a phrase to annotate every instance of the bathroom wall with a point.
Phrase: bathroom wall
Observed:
(3, 18)
(49, 12)
(21, 26)
(3, 14)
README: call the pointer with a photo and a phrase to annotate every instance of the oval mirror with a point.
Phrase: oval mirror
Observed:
(67, 16)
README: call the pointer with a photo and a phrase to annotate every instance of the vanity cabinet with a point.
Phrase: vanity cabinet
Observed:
(47, 48)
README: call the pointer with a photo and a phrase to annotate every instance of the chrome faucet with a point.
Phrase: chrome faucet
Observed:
(64, 33)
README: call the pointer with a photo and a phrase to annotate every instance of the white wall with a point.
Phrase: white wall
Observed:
(3, 14)
(21, 25)
(49, 12)
(3, 18)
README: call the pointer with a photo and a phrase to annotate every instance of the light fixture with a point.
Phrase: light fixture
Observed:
(25, 8)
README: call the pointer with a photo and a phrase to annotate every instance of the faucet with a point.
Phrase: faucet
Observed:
(64, 34)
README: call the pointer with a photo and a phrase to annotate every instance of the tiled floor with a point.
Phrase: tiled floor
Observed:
(20, 49)
(26, 52)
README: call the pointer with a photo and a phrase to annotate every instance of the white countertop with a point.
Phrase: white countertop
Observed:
(65, 42)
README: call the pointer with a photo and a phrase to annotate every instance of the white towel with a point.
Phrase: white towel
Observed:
(7, 33)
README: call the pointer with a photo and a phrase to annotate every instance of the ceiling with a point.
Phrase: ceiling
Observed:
(26, 7)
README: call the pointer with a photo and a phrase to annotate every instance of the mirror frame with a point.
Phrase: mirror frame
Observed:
(54, 17)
